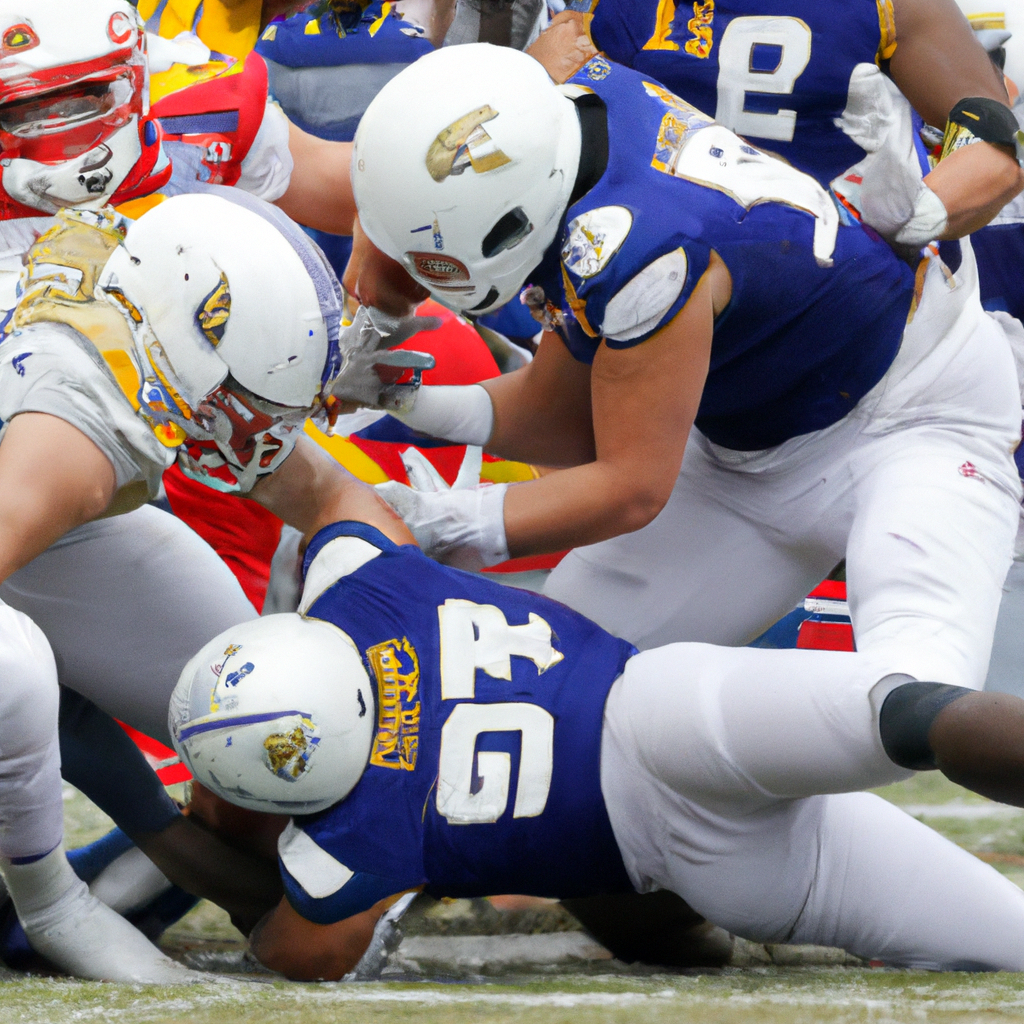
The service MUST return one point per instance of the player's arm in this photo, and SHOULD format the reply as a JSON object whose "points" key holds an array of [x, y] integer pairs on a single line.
{"points": [[310, 490], [375, 279], [644, 401], [542, 411], [319, 192], [52, 479], [938, 61], [286, 942]]}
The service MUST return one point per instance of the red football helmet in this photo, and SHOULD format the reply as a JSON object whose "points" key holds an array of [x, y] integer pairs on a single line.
{"points": [[75, 127]]}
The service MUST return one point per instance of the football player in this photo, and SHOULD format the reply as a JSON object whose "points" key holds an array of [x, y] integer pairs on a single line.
{"points": [[729, 374], [806, 82], [429, 729], [128, 349]]}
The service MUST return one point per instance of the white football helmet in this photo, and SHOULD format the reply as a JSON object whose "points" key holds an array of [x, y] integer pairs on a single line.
{"points": [[236, 319], [276, 714], [74, 106], [220, 283], [462, 168]]}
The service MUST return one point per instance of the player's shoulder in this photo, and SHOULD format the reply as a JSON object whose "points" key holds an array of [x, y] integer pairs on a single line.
{"points": [[639, 214], [319, 886], [340, 550]]}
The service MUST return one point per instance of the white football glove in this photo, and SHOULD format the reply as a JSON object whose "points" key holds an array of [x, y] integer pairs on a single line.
{"points": [[368, 347], [887, 186], [462, 525]]}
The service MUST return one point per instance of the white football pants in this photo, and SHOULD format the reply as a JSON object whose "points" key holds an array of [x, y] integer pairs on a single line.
{"points": [[916, 488], [113, 610], [713, 762]]}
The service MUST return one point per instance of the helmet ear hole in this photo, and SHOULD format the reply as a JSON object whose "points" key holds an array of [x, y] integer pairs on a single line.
{"points": [[509, 231], [489, 299]]}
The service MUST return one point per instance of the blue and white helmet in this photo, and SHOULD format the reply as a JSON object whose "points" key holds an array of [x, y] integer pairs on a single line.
{"points": [[276, 715]]}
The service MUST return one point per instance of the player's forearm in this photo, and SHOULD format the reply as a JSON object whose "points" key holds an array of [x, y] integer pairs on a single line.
{"points": [[52, 479], [938, 59], [311, 491], [302, 951], [320, 191], [974, 184], [580, 506], [542, 412]]}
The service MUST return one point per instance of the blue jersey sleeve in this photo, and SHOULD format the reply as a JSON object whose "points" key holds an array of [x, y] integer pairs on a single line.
{"points": [[322, 889]]}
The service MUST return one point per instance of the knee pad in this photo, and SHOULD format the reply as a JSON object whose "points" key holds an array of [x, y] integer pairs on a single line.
{"points": [[906, 717]]}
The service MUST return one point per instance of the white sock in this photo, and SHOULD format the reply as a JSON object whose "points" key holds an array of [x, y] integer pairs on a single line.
{"points": [[70, 927], [129, 882]]}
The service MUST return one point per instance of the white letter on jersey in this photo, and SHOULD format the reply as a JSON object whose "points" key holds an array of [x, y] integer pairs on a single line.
{"points": [[737, 77], [456, 800], [478, 636]]}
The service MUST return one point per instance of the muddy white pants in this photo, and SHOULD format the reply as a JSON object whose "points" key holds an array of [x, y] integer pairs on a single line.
{"points": [[729, 775], [113, 610]]}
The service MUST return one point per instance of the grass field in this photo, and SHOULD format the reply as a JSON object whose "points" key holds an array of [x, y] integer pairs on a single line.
{"points": [[580, 985]]}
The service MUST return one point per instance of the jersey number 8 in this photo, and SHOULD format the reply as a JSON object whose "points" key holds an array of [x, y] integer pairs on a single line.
{"points": [[760, 55]]}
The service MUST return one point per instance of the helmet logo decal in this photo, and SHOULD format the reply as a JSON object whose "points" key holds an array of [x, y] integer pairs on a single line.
{"points": [[594, 238], [232, 679], [443, 272], [212, 315], [18, 38], [288, 753], [119, 28], [464, 143]]}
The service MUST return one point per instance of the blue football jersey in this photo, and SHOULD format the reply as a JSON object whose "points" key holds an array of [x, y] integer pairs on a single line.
{"points": [[326, 67], [484, 775], [819, 302], [774, 71]]}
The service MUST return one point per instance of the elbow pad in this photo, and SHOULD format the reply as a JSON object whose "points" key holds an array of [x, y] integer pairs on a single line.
{"points": [[978, 119]]}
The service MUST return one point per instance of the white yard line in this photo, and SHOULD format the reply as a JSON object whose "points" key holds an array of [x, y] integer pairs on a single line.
{"points": [[958, 809]]}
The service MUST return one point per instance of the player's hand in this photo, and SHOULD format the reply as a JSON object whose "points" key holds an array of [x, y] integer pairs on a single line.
{"points": [[371, 365], [377, 280], [462, 525], [886, 187], [564, 46]]}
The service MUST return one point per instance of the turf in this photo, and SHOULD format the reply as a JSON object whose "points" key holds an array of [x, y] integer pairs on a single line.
{"points": [[770, 994], [764, 996]]}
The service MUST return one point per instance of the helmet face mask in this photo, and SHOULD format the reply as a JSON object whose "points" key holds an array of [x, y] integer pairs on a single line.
{"points": [[473, 196], [87, 180]]}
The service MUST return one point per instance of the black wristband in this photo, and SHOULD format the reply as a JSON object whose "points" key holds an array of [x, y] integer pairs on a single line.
{"points": [[906, 717], [978, 119]]}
